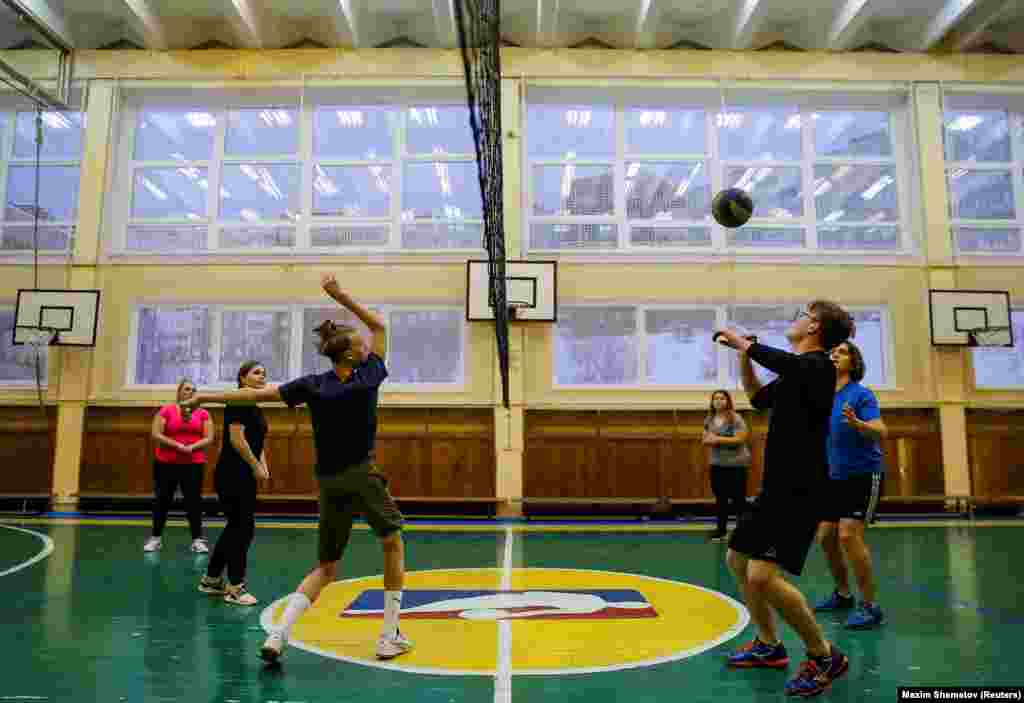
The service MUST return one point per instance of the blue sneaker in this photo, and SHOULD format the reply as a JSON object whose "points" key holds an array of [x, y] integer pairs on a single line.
{"points": [[835, 602], [757, 654], [816, 675], [865, 617]]}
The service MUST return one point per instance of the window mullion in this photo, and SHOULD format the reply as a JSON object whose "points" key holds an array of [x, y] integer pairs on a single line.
{"points": [[303, 238], [7, 129], [216, 317], [807, 171], [295, 341], [398, 160], [716, 175], [1017, 155], [619, 179], [216, 178], [641, 342]]}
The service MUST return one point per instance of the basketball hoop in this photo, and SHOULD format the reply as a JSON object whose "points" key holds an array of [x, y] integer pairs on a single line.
{"points": [[37, 339], [987, 336]]}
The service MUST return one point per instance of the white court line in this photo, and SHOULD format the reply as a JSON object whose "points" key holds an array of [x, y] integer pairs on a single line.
{"points": [[503, 672], [46, 551]]}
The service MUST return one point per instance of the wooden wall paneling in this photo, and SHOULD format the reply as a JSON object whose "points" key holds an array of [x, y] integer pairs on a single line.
{"points": [[560, 452], [912, 454], [995, 447], [461, 458], [117, 451], [27, 442]]}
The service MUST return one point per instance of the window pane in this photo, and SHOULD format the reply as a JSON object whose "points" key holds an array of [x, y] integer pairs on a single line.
{"points": [[256, 237], [260, 192], [445, 190], [769, 324], [262, 336], [354, 132], [994, 239], [567, 132], [181, 135], [349, 235], [17, 363], [665, 131], [1000, 367], [977, 135], [437, 331], [443, 235], [846, 133], [870, 339], [668, 191], [856, 193], [174, 343], [439, 129], [262, 132], [62, 136], [780, 237], [58, 193], [596, 346], [51, 238], [880, 238], [312, 360], [770, 134], [983, 195], [352, 191], [166, 238], [777, 191], [679, 347], [573, 190], [670, 236], [573, 236], [170, 192]]}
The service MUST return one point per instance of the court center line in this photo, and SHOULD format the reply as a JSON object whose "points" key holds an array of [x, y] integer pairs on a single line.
{"points": [[503, 672], [45, 552]]}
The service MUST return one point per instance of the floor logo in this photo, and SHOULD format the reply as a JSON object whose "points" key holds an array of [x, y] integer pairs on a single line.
{"points": [[550, 621]]}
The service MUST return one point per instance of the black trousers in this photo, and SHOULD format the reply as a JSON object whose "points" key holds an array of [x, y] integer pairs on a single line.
{"points": [[238, 501], [166, 479], [729, 484]]}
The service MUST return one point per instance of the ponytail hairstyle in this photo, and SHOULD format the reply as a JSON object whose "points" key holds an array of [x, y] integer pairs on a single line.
{"points": [[335, 340]]}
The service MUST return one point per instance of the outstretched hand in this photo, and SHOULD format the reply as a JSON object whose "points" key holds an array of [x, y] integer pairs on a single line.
{"points": [[850, 416], [329, 283], [192, 402], [731, 338]]}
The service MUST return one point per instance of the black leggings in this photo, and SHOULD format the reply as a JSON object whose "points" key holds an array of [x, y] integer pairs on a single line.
{"points": [[232, 548], [729, 484], [166, 479]]}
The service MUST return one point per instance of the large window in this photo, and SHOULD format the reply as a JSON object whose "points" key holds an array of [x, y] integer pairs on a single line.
{"points": [[57, 180], [670, 345], [17, 363], [1000, 367], [209, 342], [637, 174], [984, 141], [326, 171]]}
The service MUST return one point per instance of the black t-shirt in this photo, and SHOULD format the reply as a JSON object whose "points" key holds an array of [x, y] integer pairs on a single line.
{"points": [[796, 451], [344, 413], [231, 465]]}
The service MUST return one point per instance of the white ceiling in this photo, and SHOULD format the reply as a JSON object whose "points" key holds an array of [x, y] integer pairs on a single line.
{"points": [[898, 25]]}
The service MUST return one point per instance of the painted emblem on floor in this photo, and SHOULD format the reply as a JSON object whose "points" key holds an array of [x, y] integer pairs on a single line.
{"points": [[549, 621]]}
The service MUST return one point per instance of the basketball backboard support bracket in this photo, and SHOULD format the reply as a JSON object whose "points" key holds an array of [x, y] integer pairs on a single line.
{"points": [[71, 317], [531, 291], [970, 318]]}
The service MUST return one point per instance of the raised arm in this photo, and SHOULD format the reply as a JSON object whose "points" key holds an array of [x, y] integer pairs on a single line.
{"points": [[374, 322]]}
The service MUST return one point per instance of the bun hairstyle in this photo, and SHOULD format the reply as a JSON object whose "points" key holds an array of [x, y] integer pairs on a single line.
{"points": [[335, 340]]}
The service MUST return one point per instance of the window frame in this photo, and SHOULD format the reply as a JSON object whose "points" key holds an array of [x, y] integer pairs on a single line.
{"points": [[23, 384], [1018, 347]]}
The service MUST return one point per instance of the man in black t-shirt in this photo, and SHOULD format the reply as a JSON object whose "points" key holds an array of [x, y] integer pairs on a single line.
{"points": [[779, 529], [343, 406]]}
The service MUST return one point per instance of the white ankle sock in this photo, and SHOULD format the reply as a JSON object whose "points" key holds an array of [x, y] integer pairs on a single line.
{"points": [[298, 603], [392, 604]]}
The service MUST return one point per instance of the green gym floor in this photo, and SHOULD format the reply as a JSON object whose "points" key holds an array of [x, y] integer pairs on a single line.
{"points": [[94, 619]]}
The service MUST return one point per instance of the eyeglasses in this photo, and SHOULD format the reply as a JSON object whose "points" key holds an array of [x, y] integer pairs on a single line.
{"points": [[803, 313]]}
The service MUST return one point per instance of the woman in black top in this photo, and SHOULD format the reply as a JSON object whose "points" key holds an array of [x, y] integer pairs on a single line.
{"points": [[242, 461]]}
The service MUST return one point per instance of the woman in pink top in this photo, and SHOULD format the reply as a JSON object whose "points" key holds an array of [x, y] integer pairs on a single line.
{"points": [[181, 435]]}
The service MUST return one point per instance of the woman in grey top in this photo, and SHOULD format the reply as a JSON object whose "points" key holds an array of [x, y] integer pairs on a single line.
{"points": [[726, 435]]}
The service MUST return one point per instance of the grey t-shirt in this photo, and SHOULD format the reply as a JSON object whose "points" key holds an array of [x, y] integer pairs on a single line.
{"points": [[728, 454]]}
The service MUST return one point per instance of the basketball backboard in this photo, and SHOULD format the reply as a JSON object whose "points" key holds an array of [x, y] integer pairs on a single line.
{"points": [[72, 315], [531, 289], [970, 318]]}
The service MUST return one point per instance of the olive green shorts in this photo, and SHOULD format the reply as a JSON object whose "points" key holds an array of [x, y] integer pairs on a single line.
{"points": [[357, 489]]}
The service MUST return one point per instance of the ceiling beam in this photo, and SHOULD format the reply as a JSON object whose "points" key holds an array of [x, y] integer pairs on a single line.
{"points": [[349, 13], [51, 23], [971, 29], [444, 23], [547, 22], [253, 28], [942, 23], [645, 33], [752, 14], [852, 17], [152, 29]]}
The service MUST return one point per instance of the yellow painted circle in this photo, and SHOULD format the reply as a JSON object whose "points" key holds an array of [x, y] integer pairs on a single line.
{"points": [[541, 638]]}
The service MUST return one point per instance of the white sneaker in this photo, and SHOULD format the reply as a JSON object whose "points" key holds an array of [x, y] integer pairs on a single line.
{"points": [[273, 646], [200, 546], [212, 586], [391, 646], [153, 544], [237, 595]]}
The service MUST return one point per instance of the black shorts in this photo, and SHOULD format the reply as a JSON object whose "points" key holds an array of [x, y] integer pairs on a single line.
{"points": [[855, 498], [777, 531]]}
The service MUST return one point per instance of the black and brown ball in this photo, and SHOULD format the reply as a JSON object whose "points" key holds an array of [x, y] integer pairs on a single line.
{"points": [[732, 207]]}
